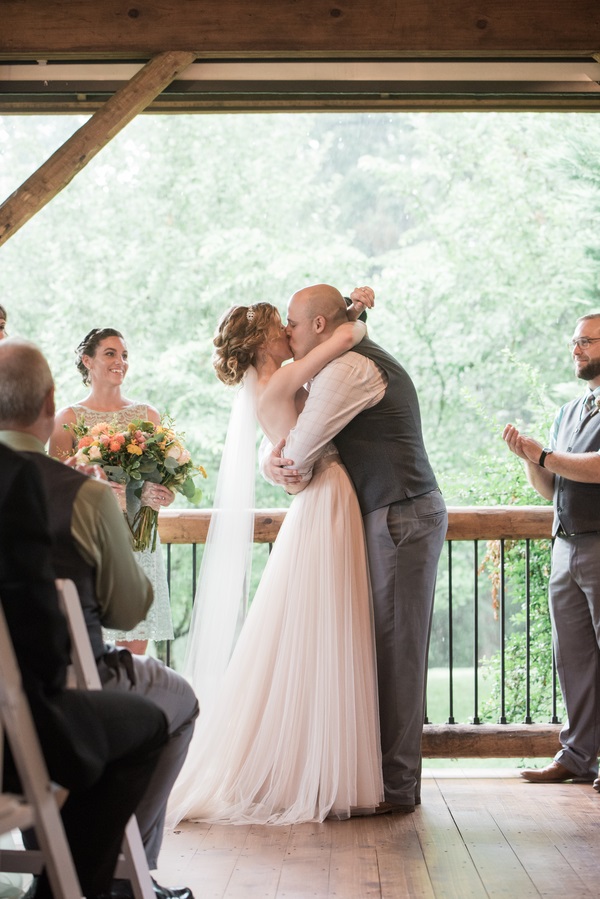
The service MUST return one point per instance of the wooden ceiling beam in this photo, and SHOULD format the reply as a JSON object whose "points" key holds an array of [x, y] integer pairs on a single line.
{"points": [[75, 154], [138, 29]]}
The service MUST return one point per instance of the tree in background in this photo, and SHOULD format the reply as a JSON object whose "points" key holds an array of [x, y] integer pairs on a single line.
{"points": [[471, 227]]}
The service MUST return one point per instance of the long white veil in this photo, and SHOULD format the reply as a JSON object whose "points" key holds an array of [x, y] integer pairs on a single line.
{"points": [[223, 582]]}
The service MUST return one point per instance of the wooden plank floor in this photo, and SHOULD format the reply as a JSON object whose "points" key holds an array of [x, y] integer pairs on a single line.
{"points": [[479, 833]]}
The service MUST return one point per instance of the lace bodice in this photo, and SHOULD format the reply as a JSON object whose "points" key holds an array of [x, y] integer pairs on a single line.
{"points": [[120, 417]]}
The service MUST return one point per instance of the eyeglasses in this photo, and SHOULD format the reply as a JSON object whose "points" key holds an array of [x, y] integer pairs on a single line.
{"points": [[582, 342]]}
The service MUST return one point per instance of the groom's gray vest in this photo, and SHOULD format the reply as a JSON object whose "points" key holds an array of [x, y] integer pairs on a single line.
{"points": [[382, 447], [62, 484], [577, 505]]}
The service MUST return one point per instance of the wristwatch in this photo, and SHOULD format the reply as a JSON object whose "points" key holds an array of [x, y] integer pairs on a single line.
{"points": [[545, 452]]}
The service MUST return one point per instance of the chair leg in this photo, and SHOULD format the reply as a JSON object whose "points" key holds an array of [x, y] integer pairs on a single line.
{"points": [[31, 767], [134, 864]]}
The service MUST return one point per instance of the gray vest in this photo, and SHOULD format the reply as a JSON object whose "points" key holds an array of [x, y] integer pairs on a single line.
{"points": [[382, 447], [577, 505], [62, 484]]}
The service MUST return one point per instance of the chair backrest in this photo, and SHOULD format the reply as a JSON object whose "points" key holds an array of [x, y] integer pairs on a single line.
{"points": [[40, 808], [82, 657], [132, 863]]}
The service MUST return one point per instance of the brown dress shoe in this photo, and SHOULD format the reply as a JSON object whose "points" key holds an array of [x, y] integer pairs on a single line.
{"points": [[597, 785], [554, 773], [389, 808]]}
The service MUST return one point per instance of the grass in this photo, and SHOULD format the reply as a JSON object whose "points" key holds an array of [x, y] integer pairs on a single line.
{"points": [[463, 711], [438, 693]]}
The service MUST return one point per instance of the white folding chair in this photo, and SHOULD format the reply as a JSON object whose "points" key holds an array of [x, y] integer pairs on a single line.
{"points": [[38, 806], [132, 863]]}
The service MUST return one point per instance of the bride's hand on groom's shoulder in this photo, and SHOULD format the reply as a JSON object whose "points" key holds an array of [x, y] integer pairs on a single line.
{"points": [[363, 298]]}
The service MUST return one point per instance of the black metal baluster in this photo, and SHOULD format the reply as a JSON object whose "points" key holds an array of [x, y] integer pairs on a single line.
{"points": [[450, 641], [502, 719], [528, 718], [476, 718]]}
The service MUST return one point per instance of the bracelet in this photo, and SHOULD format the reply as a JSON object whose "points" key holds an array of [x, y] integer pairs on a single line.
{"points": [[545, 452]]}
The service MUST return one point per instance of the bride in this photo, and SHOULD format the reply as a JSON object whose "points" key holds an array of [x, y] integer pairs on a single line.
{"points": [[289, 728]]}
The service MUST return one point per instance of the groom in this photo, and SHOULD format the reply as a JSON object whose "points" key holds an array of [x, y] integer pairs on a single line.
{"points": [[367, 403]]}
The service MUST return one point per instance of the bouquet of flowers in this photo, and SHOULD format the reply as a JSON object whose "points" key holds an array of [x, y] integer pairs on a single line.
{"points": [[142, 452]]}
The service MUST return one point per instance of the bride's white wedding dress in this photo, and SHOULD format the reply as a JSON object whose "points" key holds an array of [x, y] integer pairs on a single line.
{"points": [[294, 733]]}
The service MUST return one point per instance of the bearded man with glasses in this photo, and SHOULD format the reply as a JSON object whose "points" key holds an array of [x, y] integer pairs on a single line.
{"points": [[567, 472]]}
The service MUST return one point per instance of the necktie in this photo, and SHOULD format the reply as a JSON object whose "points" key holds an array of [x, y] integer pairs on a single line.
{"points": [[590, 402]]}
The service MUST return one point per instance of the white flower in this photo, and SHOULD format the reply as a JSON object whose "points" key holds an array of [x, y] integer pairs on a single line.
{"points": [[94, 452]]}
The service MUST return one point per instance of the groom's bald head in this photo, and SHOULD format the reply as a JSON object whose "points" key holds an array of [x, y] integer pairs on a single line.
{"points": [[313, 313]]}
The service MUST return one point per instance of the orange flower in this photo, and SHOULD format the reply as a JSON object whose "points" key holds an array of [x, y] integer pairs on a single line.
{"points": [[100, 428]]}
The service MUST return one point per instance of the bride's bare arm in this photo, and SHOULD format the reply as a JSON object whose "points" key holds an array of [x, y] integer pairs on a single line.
{"points": [[290, 378], [62, 441]]}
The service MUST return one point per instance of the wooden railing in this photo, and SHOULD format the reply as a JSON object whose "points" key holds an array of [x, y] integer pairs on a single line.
{"points": [[464, 523], [473, 523]]}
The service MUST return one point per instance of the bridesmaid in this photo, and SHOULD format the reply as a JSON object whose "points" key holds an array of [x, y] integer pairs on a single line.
{"points": [[103, 361]]}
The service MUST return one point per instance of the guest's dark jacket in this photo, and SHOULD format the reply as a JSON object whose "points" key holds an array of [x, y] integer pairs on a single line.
{"points": [[61, 485], [67, 725]]}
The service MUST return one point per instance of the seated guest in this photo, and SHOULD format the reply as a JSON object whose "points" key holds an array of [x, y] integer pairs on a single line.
{"points": [[91, 544], [102, 746]]}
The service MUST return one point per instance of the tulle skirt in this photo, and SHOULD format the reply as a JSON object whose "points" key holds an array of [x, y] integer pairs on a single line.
{"points": [[294, 734]]}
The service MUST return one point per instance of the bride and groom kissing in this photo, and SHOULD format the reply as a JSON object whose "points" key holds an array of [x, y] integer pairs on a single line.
{"points": [[320, 709]]}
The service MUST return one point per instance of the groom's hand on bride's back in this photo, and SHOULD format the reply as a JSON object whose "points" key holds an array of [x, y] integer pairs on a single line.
{"points": [[280, 470]]}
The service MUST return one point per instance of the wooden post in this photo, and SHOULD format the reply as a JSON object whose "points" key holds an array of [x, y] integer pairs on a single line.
{"points": [[69, 159]]}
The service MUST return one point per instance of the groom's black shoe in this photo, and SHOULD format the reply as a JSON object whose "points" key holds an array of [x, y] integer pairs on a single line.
{"points": [[121, 889]]}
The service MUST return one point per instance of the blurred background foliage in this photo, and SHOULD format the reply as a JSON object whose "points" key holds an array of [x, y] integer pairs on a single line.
{"points": [[477, 231]]}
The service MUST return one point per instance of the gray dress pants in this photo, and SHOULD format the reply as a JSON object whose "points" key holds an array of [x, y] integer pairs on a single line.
{"points": [[404, 544], [575, 613], [171, 693]]}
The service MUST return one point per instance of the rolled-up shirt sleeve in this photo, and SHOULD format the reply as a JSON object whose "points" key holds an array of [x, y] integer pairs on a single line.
{"points": [[337, 394], [264, 451], [98, 526]]}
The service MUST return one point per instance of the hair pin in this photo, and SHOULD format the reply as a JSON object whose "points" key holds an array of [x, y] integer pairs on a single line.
{"points": [[250, 313]]}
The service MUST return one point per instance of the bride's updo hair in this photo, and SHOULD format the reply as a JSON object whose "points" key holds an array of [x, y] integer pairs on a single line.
{"points": [[240, 332], [88, 347]]}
